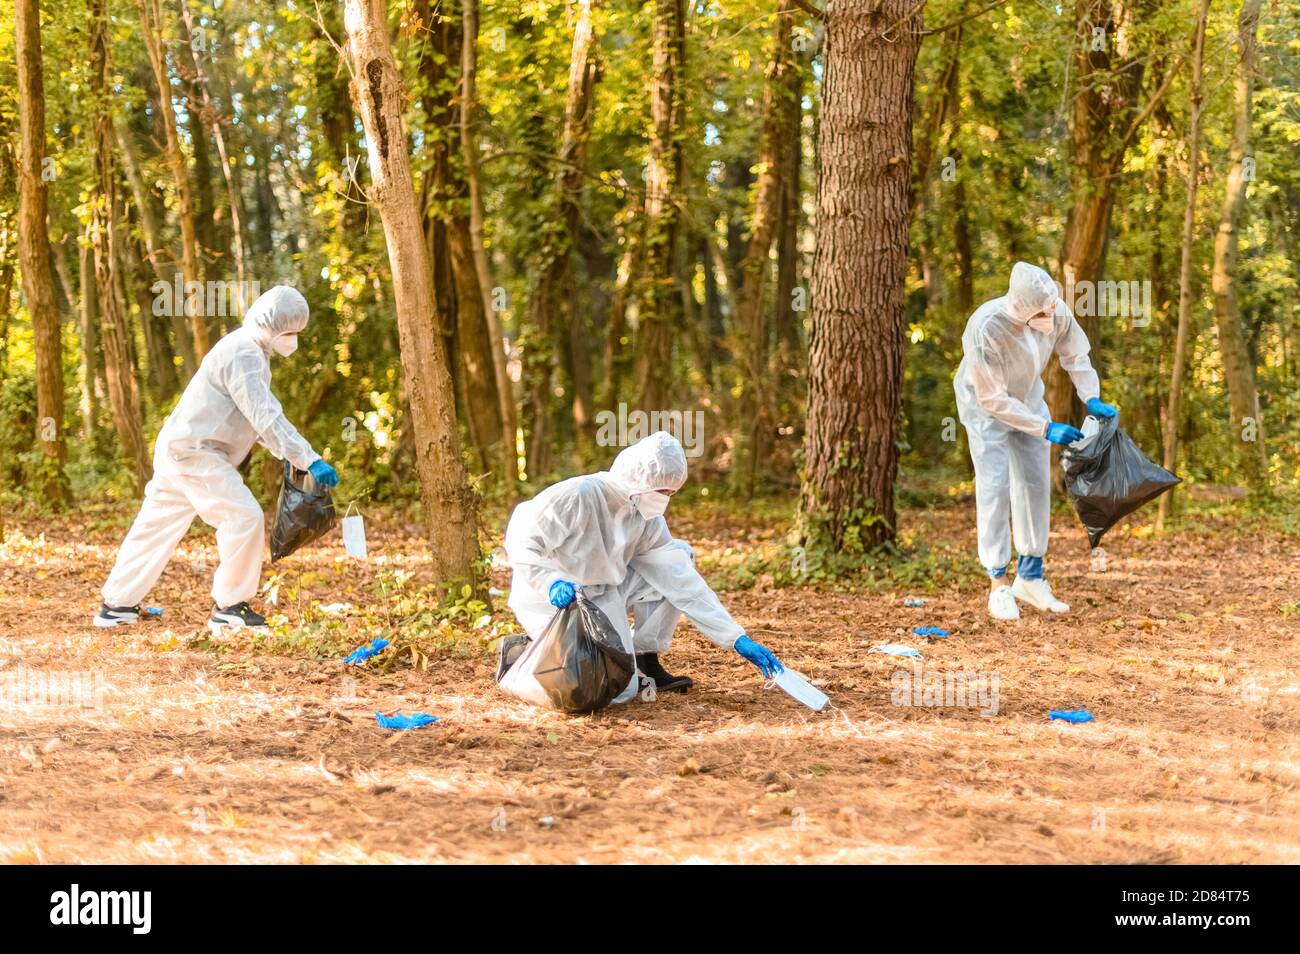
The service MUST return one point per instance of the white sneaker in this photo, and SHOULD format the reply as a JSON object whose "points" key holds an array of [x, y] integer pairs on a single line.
{"points": [[1038, 595], [1002, 604]]}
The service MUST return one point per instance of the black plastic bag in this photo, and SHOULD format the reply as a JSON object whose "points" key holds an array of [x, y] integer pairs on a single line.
{"points": [[1110, 477], [578, 664], [305, 513]]}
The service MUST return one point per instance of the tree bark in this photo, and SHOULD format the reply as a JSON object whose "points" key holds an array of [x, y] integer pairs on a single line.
{"points": [[1174, 413], [751, 325], [151, 31], [855, 368], [119, 369], [549, 336], [450, 507], [473, 180], [1238, 363], [659, 303], [34, 253]]}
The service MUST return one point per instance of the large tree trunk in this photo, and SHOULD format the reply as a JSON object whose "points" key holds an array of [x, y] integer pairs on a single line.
{"points": [[1174, 413], [469, 155], [855, 372], [1238, 364], [549, 336], [34, 253], [751, 326], [119, 369], [450, 506], [151, 31], [660, 304]]}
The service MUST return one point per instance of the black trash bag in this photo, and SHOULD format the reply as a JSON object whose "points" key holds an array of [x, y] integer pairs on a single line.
{"points": [[578, 662], [1110, 478], [305, 513]]}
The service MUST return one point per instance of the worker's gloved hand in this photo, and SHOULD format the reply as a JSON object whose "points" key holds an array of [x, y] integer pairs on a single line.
{"points": [[325, 475], [1100, 408], [1063, 433], [561, 593], [760, 656]]}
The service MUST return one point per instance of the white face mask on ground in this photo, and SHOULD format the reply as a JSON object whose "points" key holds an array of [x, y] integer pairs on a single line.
{"points": [[650, 504], [284, 345]]}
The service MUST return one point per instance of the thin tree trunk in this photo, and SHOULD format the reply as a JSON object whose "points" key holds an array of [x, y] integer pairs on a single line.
{"points": [[450, 506], [544, 301], [855, 372], [212, 118], [659, 304], [93, 389], [151, 31], [34, 253], [119, 370], [469, 155], [1174, 413], [751, 326], [1247, 425]]}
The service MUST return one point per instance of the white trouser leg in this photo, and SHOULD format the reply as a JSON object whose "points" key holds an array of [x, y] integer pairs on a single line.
{"points": [[225, 504], [165, 515], [988, 451], [654, 618], [1031, 493]]}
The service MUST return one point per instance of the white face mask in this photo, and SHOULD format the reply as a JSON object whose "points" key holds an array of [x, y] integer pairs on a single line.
{"points": [[650, 504], [284, 345]]}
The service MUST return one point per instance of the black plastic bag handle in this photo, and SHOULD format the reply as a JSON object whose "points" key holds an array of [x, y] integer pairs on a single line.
{"points": [[289, 473]]}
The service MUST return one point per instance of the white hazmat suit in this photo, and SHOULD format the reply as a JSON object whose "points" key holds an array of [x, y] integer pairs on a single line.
{"points": [[1007, 344], [226, 408], [588, 531]]}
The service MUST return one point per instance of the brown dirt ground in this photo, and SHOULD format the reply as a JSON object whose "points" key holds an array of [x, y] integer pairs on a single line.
{"points": [[1187, 659]]}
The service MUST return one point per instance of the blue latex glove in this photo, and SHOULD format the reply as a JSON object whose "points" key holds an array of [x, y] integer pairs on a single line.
{"points": [[1100, 408], [1063, 433], [760, 656], [561, 593], [325, 475]]}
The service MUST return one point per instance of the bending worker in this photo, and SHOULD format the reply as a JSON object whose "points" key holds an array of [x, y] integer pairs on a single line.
{"points": [[606, 533], [999, 385], [227, 406]]}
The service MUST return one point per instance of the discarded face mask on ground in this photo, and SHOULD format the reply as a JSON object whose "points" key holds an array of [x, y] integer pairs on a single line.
{"points": [[304, 513], [578, 663], [799, 689], [1108, 476]]}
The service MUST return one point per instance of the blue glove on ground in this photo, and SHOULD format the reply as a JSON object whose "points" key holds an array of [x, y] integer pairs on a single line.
{"points": [[1063, 433], [325, 475], [561, 593], [1100, 408], [760, 656]]}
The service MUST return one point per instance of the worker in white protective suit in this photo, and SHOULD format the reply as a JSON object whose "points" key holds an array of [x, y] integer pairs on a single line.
{"points": [[999, 385], [227, 406], [606, 534]]}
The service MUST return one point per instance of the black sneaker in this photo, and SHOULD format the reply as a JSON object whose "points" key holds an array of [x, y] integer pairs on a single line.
{"points": [[239, 616], [110, 616], [648, 664]]}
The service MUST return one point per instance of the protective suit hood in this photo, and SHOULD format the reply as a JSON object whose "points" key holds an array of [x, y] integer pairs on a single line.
{"points": [[1030, 292], [656, 462], [280, 311]]}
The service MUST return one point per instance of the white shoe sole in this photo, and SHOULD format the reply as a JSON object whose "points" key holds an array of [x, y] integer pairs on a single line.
{"points": [[1021, 598], [105, 623]]}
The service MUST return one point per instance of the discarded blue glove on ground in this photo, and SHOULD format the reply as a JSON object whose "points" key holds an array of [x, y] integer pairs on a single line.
{"points": [[913, 601], [1070, 715], [416, 720], [930, 631], [760, 656], [363, 652], [153, 611], [561, 593]]}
